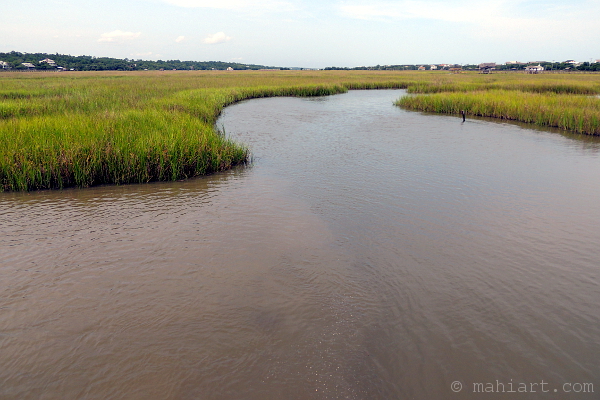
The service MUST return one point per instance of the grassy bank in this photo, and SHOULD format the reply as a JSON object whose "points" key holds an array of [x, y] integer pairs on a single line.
{"points": [[85, 129], [575, 113], [565, 102]]}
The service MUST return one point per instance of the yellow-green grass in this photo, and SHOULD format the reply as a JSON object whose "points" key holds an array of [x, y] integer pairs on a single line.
{"points": [[561, 84], [565, 101], [84, 129], [576, 113], [88, 128]]}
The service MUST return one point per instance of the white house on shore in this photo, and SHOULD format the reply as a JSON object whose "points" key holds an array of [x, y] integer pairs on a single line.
{"points": [[534, 69], [4, 65]]}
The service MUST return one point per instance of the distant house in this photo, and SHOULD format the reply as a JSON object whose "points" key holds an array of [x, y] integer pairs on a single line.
{"points": [[487, 68], [229, 69], [421, 68], [4, 65], [48, 61], [534, 69], [28, 65], [433, 67]]}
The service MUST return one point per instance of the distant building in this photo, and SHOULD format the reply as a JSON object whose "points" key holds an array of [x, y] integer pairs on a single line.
{"points": [[229, 69], [28, 65], [432, 67], [4, 65], [534, 69], [48, 61], [487, 68], [421, 68]]}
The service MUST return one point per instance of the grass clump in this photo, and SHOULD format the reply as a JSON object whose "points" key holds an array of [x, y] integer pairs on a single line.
{"points": [[90, 128], [579, 114], [85, 129], [129, 147], [566, 102]]}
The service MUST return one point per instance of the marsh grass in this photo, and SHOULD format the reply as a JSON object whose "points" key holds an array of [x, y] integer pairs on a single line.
{"points": [[567, 102], [85, 129], [575, 113]]}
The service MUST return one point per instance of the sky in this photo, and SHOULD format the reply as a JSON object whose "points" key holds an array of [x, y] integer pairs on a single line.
{"points": [[307, 33]]}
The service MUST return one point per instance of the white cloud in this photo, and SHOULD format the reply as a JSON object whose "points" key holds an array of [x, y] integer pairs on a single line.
{"points": [[149, 53], [255, 5], [454, 11], [497, 18], [118, 36], [218, 37], [180, 39]]}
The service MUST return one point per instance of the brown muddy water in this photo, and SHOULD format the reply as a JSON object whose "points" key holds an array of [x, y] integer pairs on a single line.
{"points": [[368, 253]]}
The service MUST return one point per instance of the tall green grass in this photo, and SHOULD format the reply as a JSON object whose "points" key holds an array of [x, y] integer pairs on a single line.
{"points": [[560, 83], [125, 147], [575, 113], [85, 129], [82, 129], [565, 101]]}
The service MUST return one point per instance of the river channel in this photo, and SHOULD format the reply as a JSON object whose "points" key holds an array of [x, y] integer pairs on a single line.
{"points": [[368, 252]]}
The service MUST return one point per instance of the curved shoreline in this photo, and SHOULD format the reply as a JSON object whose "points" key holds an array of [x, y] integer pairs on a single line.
{"points": [[87, 130], [176, 139], [574, 114]]}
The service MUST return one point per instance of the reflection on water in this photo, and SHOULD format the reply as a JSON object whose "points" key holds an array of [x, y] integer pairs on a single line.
{"points": [[368, 253]]}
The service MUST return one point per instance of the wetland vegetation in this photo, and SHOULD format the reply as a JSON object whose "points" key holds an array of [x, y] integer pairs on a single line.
{"points": [[568, 102], [86, 128]]}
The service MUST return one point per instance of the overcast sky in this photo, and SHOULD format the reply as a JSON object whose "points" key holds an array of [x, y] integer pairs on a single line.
{"points": [[307, 33]]}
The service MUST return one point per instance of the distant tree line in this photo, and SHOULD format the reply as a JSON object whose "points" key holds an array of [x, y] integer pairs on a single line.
{"points": [[403, 67], [548, 66], [552, 66], [14, 60], [406, 67]]}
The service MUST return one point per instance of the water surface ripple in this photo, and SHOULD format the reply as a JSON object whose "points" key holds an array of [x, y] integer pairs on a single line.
{"points": [[368, 253]]}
